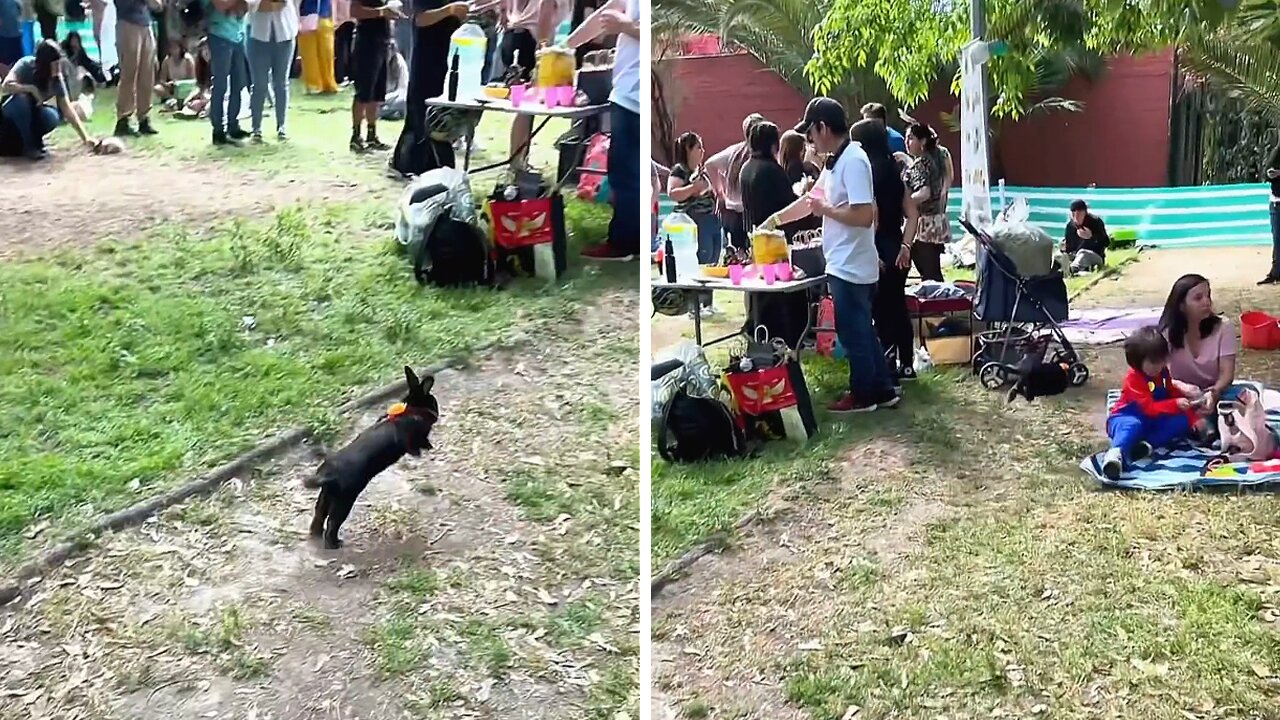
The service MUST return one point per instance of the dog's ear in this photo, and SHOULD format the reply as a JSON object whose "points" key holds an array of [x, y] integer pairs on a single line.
{"points": [[426, 383], [412, 380]]}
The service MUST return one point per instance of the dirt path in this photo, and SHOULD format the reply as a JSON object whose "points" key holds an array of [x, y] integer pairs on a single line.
{"points": [[1233, 272], [82, 199], [492, 578]]}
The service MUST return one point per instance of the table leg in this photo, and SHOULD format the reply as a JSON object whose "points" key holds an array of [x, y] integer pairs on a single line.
{"points": [[697, 318], [523, 146], [466, 153]]}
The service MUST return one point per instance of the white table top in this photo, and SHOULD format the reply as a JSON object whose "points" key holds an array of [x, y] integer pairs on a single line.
{"points": [[755, 285], [529, 107]]}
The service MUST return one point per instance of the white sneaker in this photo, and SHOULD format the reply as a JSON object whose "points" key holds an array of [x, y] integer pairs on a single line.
{"points": [[1112, 464], [710, 311]]}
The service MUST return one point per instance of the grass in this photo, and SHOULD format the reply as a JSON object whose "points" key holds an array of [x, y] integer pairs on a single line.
{"points": [[1028, 594], [133, 364], [319, 127]]}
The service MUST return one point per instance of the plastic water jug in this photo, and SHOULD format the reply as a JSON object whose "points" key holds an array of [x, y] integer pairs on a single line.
{"points": [[468, 44], [683, 233]]}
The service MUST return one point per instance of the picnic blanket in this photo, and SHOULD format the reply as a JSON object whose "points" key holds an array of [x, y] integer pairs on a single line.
{"points": [[1103, 326], [1179, 468]]}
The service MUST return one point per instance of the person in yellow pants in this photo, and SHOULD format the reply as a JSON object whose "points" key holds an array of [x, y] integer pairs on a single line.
{"points": [[315, 44]]}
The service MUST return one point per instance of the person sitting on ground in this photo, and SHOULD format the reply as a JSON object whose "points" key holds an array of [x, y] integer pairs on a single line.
{"points": [[1154, 409], [845, 200], [1085, 240], [196, 103], [178, 66], [393, 108], [31, 83], [73, 48], [876, 111], [792, 156], [1202, 343]]}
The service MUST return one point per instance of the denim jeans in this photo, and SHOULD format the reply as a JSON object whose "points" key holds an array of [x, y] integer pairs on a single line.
{"points": [[1275, 240], [30, 119], [869, 376], [269, 63], [229, 67], [624, 179], [710, 238]]}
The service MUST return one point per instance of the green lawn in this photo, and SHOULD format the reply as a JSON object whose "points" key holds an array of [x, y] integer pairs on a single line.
{"points": [[132, 365]]}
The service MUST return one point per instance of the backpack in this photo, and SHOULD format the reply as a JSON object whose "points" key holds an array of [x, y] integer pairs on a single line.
{"points": [[690, 421], [595, 168], [694, 429], [1242, 426], [437, 225]]}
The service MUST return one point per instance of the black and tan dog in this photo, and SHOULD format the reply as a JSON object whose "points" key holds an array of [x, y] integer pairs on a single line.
{"points": [[406, 428]]}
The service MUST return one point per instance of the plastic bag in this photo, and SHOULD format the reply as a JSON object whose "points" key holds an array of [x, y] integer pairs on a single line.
{"points": [[1030, 248], [426, 198], [694, 376]]}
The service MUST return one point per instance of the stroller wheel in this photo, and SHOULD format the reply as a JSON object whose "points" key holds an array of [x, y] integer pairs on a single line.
{"points": [[992, 376], [1078, 374]]}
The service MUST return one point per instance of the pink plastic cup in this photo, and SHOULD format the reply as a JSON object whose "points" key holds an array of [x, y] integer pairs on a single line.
{"points": [[517, 94], [783, 272], [567, 93], [769, 272], [551, 97], [735, 274]]}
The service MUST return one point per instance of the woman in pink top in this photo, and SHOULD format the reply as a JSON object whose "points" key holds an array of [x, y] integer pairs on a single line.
{"points": [[1202, 344]]}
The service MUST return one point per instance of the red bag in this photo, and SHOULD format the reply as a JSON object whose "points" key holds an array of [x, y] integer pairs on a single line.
{"points": [[522, 223], [762, 391], [595, 166], [826, 344]]}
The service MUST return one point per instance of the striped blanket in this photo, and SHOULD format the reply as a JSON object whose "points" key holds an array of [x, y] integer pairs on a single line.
{"points": [[1181, 467]]}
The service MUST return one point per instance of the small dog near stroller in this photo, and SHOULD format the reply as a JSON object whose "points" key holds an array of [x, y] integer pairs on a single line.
{"points": [[1024, 347]]}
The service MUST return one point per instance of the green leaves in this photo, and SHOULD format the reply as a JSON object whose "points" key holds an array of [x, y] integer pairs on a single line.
{"points": [[911, 44]]}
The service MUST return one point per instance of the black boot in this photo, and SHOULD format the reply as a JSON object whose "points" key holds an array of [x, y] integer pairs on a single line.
{"points": [[124, 129]]}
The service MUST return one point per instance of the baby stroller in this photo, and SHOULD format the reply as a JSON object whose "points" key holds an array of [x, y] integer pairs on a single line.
{"points": [[1022, 314]]}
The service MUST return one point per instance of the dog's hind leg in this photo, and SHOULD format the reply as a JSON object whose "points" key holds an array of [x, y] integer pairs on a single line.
{"points": [[322, 511], [339, 509]]}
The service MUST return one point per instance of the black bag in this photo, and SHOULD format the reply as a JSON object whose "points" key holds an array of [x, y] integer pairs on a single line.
{"points": [[696, 429], [416, 154], [458, 253]]}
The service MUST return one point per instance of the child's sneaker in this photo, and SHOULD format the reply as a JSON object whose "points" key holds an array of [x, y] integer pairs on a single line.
{"points": [[1113, 464], [1141, 451]]}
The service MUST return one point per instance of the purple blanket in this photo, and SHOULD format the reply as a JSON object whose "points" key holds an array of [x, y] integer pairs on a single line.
{"points": [[1103, 326]]}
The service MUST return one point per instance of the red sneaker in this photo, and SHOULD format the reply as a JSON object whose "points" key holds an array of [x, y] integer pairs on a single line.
{"points": [[607, 253], [847, 404]]}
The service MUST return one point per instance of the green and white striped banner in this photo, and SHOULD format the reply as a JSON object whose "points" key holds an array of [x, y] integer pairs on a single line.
{"points": [[1199, 216]]}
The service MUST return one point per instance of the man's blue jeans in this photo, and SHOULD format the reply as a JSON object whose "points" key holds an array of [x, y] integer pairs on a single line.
{"points": [[30, 119], [624, 179], [869, 377], [229, 66]]}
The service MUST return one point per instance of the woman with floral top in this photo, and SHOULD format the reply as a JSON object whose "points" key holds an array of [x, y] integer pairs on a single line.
{"points": [[926, 178]]}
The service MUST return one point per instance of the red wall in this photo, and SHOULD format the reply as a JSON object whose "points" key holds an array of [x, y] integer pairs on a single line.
{"points": [[712, 94], [1121, 139]]}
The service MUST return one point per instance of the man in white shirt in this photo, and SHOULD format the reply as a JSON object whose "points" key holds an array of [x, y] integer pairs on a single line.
{"points": [[844, 199], [621, 18]]}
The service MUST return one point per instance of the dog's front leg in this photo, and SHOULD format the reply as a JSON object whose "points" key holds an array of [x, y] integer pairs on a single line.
{"points": [[322, 511]]}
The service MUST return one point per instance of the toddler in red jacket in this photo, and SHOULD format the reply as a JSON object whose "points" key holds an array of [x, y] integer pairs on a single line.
{"points": [[1154, 410]]}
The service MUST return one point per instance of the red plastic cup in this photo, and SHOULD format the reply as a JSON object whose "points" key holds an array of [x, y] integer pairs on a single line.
{"points": [[735, 274], [769, 272]]}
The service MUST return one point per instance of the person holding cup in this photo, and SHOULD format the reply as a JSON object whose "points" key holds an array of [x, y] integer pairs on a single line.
{"points": [[845, 200]]}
